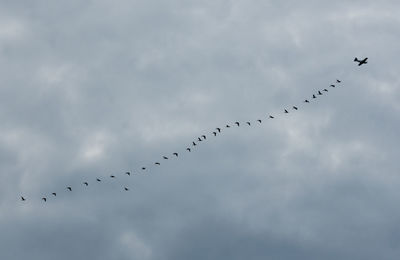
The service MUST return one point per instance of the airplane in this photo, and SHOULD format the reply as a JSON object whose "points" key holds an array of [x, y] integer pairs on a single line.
{"points": [[361, 62]]}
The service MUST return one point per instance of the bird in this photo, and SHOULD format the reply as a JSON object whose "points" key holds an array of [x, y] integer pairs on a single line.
{"points": [[112, 176], [204, 137], [126, 189], [218, 129], [325, 90], [157, 163], [69, 188], [306, 101], [176, 154], [248, 123], [295, 108], [188, 149], [338, 81], [98, 180], [128, 173], [271, 117], [22, 198], [259, 120], [227, 126], [143, 168], [286, 111], [313, 96], [199, 139], [87, 184], [237, 123], [165, 157], [332, 86], [215, 133], [319, 92], [44, 199], [194, 144], [55, 194]]}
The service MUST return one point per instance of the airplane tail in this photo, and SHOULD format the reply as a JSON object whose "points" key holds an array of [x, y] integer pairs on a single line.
{"points": [[355, 59]]}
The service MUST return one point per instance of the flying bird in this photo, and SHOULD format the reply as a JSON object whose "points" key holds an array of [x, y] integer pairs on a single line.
{"points": [[361, 62], [44, 199], [319, 92], [22, 198], [248, 123], [237, 123], [295, 108], [306, 101], [227, 126], [188, 149], [165, 157], [199, 139], [112, 176], [218, 129], [157, 163], [332, 86], [143, 168], [325, 90], [126, 189], [286, 112], [55, 194], [176, 154], [69, 188], [313, 96], [204, 137], [87, 184], [338, 81], [271, 117], [215, 133], [194, 144], [98, 180], [128, 173], [259, 120]]}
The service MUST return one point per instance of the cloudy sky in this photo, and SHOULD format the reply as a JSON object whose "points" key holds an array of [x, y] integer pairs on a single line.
{"points": [[94, 88]]}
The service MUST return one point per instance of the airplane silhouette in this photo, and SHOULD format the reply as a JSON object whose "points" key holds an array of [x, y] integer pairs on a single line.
{"points": [[361, 62]]}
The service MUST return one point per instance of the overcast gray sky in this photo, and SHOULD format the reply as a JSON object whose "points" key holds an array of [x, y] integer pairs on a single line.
{"points": [[94, 88]]}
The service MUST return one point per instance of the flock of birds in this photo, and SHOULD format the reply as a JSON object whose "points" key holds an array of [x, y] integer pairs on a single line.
{"points": [[216, 132]]}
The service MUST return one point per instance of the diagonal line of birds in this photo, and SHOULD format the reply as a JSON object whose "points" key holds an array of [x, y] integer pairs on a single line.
{"points": [[217, 131]]}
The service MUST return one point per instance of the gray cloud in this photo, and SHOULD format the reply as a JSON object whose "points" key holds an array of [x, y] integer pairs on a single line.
{"points": [[90, 89]]}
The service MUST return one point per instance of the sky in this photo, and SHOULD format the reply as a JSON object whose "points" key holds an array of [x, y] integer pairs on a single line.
{"points": [[90, 89]]}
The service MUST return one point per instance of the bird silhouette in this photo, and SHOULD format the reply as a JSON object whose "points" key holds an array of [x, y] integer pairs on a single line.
{"points": [[199, 139], [157, 163], [98, 180], [165, 157], [204, 137], [22, 198], [126, 189], [286, 111], [237, 123], [319, 92], [271, 117], [188, 149], [338, 81], [55, 194], [176, 154], [248, 123], [332, 86], [218, 129], [194, 144], [128, 173], [69, 188], [112, 176], [215, 133], [143, 168], [295, 108], [87, 184], [227, 126], [44, 199], [259, 120], [313, 96], [325, 90], [306, 101]]}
